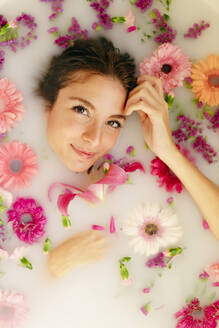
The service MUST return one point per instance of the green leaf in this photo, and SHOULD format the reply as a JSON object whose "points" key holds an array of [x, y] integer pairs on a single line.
{"points": [[66, 221], [162, 29], [166, 17], [175, 251], [153, 15], [26, 263], [1, 223], [124, 272], [126, 259], [47, 245], [169, 99], [118, 19], [132, 2]]}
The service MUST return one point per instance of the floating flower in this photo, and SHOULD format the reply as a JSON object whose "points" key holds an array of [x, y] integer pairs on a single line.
{"points": [[157, 261], [205, 224], [213, 272], [193, 315], [28, 220], [13, 309], [18, 164], [160, 26], [166, 176], [145, 309], [203, 276], [205, 76], [195, 31], [143, 4], [152, 228], [169, 64], [11, 109]]}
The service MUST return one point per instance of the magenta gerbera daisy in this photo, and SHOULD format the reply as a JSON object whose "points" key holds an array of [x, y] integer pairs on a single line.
{"points": [[168, 63], [11, 107], [18, 164], [13, 309], [27, 219], [193, 315]]}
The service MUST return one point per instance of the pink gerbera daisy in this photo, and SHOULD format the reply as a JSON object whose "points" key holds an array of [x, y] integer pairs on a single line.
{"points": [[28, 220], [11, 107], [18, 164], [169, 64], [193, 315], [13, 309]]}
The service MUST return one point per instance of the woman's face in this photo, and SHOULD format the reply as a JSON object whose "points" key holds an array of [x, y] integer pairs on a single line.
{"points": [[85, 121]]}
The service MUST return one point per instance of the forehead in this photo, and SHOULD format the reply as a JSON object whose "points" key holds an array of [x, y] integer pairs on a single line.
{"points": [[101, 90]]}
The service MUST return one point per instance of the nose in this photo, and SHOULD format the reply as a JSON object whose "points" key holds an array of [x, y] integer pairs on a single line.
{"points": [[92, 134]]}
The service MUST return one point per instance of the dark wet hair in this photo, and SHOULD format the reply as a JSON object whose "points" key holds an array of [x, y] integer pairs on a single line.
{"points": [[94, 55]]}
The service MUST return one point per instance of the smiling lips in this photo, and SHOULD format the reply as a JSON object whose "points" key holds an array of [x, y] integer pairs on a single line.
{"points": [[83, 153]]}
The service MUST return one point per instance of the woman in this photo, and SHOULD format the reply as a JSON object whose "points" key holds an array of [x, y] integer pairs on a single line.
{"points": [[89, 90]]}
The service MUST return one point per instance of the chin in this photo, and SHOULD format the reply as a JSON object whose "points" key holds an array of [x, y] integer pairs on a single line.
{"points": [[79, 167]]}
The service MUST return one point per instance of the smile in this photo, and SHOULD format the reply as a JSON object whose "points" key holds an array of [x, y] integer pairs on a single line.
{"points": [[82, 153]]}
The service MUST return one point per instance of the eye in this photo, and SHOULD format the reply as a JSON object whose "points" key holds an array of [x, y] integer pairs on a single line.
{"points": [[80, 110], [114, 124]]}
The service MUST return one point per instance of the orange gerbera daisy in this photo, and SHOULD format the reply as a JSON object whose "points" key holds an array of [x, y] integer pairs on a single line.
{"points": [[205, 84]]}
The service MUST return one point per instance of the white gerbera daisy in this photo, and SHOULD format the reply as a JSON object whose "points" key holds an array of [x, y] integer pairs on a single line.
{"points": [[152, 228]]}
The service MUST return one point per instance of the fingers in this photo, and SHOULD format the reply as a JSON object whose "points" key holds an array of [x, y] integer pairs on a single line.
{"points": [[155, 82]]}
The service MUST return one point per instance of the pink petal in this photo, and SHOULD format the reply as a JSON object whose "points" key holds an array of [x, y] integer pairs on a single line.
{"points": [[205, 224], [97, 227], [63, 202], [112, 225], [216, 284], [132, 167], [146, 290], [131, 28], [114, 176], [56, 184]]}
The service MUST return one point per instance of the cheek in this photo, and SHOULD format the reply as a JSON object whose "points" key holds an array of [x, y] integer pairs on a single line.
{"points": [[109, 141]]}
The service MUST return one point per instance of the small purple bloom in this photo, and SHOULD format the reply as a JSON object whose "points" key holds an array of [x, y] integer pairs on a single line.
{"points": [[143, 4], [157, 261]]}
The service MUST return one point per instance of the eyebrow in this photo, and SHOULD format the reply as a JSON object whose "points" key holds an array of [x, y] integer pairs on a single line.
{"points": [[89, 104]]}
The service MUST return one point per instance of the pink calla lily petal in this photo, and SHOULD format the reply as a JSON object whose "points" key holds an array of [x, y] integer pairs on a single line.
{"points": [[63, 202], [95, 192]]}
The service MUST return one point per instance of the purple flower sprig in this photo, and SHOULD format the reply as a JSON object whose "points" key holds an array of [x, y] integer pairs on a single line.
{"points": [[213, 119], [56, 6], [2, 58], [143, 5], [197, 29], [104, 20], [74, 32], [208, 153], [189, 129], [163, 32]]}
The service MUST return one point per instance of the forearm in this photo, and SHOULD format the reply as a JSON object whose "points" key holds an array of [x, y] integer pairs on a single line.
{"points": [[204, 192]]}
